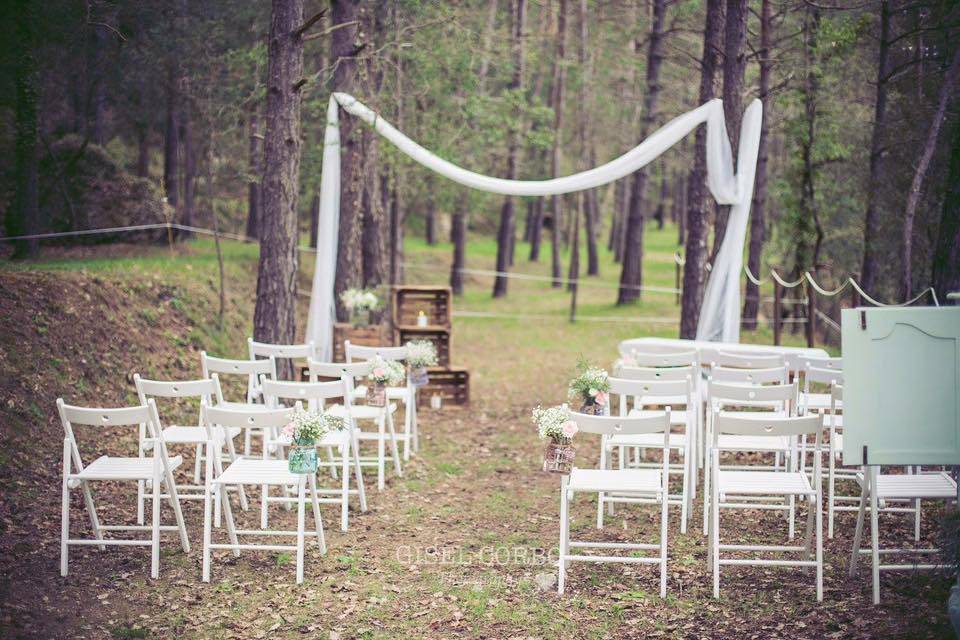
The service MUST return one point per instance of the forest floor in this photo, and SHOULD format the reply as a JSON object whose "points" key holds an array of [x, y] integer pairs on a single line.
{"points": [[460, 546]]}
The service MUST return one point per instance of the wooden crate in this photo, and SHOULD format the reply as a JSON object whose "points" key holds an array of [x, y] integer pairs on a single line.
{"points": [[435, 302], [452, 385], [439, 336], [371, 336]]}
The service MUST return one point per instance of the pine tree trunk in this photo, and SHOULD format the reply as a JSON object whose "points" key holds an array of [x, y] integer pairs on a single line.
{"points": [[459, 233], [314, 220], [143, 151], [275, 314], [171, 144], [23, 217], [913, 198], [189, 168], [946, 258], [631, 274], [344, 42], [430, 217], [734, 64], [558, 75], [878, 152], [751, 302], [536, 230], [696, 243], [507, 226], [255, 170], [574, 271]]}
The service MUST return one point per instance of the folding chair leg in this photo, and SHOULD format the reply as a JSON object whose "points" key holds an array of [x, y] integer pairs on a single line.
{"points": [[317, 516], [600, 494], [792, 515], [875, 536], [344, 486], [355, 451], [177, 511], [393, 446], [819, 534], [831, 490], [715, 537], [155, 523], [663, 543], [141, 502], [407, 429], [858, 532], [264, 501], [92, 513], [65, 511], [916, 520], [332, 460], [684, 494], [808, 535], [228, 514], [415, 421], [381, 453], [301, 506], [564, 536], [197, 462], [207, 506], [232, 454]]}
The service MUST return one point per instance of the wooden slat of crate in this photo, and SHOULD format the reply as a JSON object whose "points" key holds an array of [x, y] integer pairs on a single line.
{"points": [[372, 336], [435, 302], [452, 385], [439, 336]]}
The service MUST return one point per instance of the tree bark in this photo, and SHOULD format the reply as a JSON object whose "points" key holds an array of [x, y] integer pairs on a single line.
{"points": [[314, 220], [23, 217], [946, 258], [696, 243], [587, 149], [631, 274], [878, 152], [805, 259], [430, 216], [345, 41], [275, 314], [751, 302], [507, 228], [913, 198], [255, 170], [734, 64], [189, 165], [558, 75], [143, 150], [171, 143], [459, 233]]}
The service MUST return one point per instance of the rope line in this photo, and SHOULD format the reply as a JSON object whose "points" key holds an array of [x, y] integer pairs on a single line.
{"points": [[678, 259]]}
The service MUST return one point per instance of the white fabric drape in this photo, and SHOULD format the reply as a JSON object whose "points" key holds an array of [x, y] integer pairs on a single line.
{"points": [[719, 316]]}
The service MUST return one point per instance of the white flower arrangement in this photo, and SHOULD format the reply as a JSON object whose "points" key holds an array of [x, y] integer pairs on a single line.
{"points": [[309, 426], [387, 372], [421, 353], [555, 423], [591, 386], [360, 300]]}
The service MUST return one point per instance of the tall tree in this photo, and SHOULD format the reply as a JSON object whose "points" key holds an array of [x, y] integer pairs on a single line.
{"points": [[923, 164], [171, 142], [696, 245], [345, 43], [274, 318], [23, 217], [587, 148], [507, 225], [254, 171], [631, 274], [878, 153], [751, 303], [734, 64], [946, 258], [558, 75]]}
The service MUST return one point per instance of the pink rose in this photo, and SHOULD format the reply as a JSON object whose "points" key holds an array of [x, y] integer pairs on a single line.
{"points": [[289, 430], [569, 429], [379, 372], [600, 398]]}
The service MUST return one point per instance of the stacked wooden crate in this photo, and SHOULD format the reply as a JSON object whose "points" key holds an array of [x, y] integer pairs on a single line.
{"points": [[435, 304]]}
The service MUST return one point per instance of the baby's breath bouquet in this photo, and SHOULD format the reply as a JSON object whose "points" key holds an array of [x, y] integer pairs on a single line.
{"points": [[383, 373], [303, 431], [556, 425], [360, 302], [420, 355], [591, 387]]}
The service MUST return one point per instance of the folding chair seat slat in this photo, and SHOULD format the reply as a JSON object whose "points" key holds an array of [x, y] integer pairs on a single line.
{"points": [[112, 468]]}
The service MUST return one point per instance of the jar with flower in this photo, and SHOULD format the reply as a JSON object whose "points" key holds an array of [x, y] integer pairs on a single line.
{"points": [[556, 425]]}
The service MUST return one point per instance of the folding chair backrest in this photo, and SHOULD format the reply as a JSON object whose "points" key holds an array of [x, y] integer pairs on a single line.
{"points": [[70, 416], [626, 347], [746, 361], [337, 369], [293, 351], [679, 359], [822, 363], [655, 374], [752, 395], [360, 352], [313, 393], [646, 392], [253, 369], [730, 375], [622, 425], [205, 391], [821, 376], [773, 426], [247, 419]]}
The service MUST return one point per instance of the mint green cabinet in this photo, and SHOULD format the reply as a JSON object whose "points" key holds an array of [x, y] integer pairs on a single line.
{"points": [[901, 397]]}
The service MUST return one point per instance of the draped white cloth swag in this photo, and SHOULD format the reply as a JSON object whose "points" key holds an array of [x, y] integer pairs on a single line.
{"points": [[720, 313]]}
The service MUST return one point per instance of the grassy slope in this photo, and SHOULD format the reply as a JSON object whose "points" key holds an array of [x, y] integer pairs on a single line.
{"points": [[79, 324]]}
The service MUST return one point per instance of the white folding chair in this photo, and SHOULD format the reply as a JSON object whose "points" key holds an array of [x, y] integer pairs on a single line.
{"points": [[878, 488], [747, 360], [813, 400], [834, 424], [406, 394], [729, 487], [626, 347], [754, 402], [253, 370], [157, 470], [635, 397], [671, 359], [317, 395], [205, 392], [301, 351], [359, 414], [254, 471], [645, 483], [731, 375]]}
